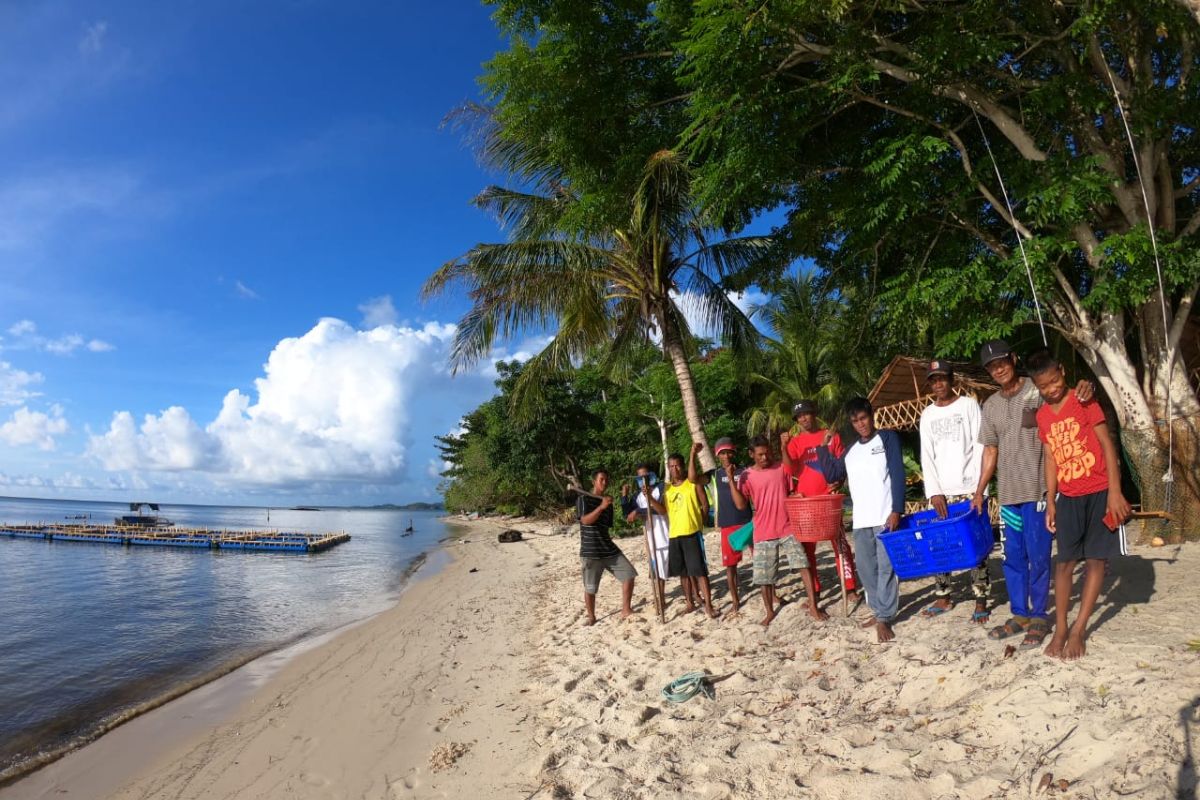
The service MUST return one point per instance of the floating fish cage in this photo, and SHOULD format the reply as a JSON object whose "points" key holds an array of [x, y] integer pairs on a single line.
{"points": [[198, 538]]}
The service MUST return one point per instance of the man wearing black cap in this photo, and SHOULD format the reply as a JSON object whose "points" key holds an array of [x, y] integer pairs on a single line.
{"points": [[1013, 451], [726, 513], [807, 436], [951, 457]]}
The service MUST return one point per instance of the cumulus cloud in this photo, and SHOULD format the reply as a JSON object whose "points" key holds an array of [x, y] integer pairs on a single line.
{"points": [[378, 311], [26, 428], [24, 327], [333, 404], [16, 386]]}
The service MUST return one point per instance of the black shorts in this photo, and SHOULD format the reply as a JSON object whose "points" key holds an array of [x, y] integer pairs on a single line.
{"points": [[686, 557], [1081, 530]]}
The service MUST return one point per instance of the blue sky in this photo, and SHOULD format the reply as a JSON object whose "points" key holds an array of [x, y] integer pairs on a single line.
{"points": [[199, 199], [214, 221]]}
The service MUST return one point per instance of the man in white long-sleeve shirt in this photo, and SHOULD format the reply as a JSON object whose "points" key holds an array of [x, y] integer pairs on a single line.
{"points": [[950, 462]]}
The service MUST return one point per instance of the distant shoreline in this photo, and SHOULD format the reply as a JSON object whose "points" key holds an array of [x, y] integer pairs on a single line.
{"points": [[418, 506]]}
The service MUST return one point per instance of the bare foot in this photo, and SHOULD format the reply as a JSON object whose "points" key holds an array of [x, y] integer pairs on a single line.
{"points": [[590, 620], [870, 622], [817, 613], [689, 607], [1055, 648], [1075, 648], [944, 603], [884, 632], [711, 614], [767, 619], [626, 613]]}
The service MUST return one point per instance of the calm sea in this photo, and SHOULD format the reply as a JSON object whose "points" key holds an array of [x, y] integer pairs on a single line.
{"points": [[92, 633]]}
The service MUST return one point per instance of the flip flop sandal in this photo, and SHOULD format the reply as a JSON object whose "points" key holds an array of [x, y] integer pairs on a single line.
{"points": [[933, 611], [1034, 635], [980, 617], [1010, 628]]}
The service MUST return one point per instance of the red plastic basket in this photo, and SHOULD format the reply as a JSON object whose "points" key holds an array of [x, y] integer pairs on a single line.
{"points": [[817, 518]]}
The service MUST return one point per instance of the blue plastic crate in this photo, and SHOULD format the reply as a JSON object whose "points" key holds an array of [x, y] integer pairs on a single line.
{"points": [[926, 545]]}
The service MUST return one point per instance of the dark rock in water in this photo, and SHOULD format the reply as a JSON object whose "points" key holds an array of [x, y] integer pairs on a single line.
{"points": [[509, 536]]}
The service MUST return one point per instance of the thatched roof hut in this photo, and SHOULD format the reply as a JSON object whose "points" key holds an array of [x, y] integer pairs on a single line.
{"points": [[900, 394]]}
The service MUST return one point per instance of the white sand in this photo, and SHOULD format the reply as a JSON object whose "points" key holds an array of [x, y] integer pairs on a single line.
{"points": [[485, 684]]}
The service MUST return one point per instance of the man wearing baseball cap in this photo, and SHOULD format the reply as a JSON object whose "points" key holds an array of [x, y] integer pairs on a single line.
{"points": [[727, 515], [807, 436], [1012, 451], [951, 456]]}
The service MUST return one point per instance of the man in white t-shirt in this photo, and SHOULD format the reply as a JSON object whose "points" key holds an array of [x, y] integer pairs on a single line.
{"points": [[950, 463], [873, 465]]}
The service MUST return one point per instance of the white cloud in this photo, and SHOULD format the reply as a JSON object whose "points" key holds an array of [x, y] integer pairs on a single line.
{"points": [[93, 38], [689, 304], [34, 428], [245, 291], [434, 468], [63, 345], [333, 404], [26, 336], [378, 311], [16, 385]]}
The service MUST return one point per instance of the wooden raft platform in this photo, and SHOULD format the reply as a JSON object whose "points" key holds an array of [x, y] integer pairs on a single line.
{"points": [[202, 538]]}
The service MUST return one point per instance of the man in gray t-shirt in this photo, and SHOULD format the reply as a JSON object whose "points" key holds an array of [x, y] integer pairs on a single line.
{"points": [[1011, 448]]}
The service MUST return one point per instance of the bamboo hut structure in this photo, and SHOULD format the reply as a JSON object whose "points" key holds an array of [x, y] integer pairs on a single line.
{"points": [[900, 394]]}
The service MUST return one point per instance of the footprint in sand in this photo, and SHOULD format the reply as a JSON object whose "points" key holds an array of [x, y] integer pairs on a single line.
{"points": [[570, 685], [314, 779]]}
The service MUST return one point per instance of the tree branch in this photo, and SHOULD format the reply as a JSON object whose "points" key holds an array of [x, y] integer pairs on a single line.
{"points": [[1186, 189], [1182, 312], [1000, 207], [1192, 226], [964, 93]]}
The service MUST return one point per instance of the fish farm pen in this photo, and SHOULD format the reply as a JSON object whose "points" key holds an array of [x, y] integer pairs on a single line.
{"points": [[206, 538]]}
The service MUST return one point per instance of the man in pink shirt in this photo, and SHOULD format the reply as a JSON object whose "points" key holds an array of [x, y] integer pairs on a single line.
{"points": [[766, 484]]}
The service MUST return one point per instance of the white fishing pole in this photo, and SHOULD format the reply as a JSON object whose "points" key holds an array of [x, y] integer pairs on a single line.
{"points": [[1012, 218], [1169, 475]]}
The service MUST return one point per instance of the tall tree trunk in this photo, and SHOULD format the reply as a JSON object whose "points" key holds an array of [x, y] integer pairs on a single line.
{"points": [[687, 392], [662, 434], [1142, 417]]}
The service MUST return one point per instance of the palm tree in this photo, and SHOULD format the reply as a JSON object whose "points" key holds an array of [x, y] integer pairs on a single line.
{"points": [[605, 287], [811, 356]]}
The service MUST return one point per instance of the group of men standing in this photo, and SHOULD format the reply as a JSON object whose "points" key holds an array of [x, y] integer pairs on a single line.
{"points": [[1020, 436]]}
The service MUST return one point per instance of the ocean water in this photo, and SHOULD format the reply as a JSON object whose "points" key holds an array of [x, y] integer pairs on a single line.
{"points": [[91, 634]]}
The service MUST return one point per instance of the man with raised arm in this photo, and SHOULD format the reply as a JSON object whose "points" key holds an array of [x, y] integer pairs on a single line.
{"points": [[686, 506], [810, 482]]}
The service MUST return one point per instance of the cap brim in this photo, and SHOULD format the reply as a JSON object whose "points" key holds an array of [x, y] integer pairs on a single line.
{"points": [[726, 449]]}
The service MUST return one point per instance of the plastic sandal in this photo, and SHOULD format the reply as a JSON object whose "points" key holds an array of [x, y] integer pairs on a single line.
{"points": [[1034, 634], [1010, 628]]}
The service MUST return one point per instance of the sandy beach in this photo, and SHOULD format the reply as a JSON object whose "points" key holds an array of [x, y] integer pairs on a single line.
{"points": [[482, 682]]}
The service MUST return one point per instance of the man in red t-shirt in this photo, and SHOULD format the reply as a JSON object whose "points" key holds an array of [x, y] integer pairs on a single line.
{"points": [[1084, 504], [807, 436]]}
